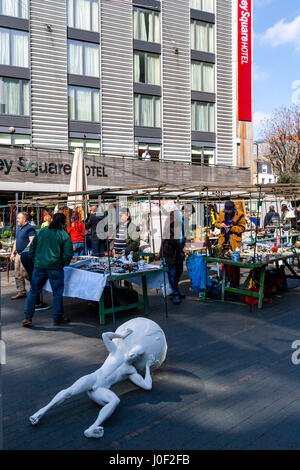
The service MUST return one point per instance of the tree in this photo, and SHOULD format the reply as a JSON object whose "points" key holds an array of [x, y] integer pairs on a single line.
{"points": [[282, 135]]}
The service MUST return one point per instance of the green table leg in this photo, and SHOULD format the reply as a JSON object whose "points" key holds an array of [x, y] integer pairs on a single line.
{"points": [[145, 295], [101, 310], [261, 286], [223, 282]]}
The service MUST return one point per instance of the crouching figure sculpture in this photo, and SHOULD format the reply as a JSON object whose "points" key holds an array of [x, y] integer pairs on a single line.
{"points": [[137, 345]]}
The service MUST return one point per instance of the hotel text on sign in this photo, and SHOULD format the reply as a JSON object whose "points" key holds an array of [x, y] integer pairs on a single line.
{"points": [[244, 60]]}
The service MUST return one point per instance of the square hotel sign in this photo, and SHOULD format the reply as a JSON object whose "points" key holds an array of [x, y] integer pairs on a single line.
{"points": [[244, 60]]}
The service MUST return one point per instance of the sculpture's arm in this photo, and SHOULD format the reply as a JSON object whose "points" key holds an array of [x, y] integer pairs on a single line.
{"points": [[109, 336], [145, 383]]}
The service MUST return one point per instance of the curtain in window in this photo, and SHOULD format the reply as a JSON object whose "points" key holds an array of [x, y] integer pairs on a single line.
{"points": [[201, 37], [96, 106], [211, 118], [75, 58], [11, 96], [208, 5], [193, 117], [25, 98], [193, 35], [21, 139], [202, 117], [4, 47], [196, 4], [10, 7], [156, 28], [20, 49], [196, 76], [153, 69], [211, 38], [91, 61], [95, 16], [157, 113], [208, 78], [135, 24], [71, 102], [146, 22], [82, 14], [147, 111], [136, 67], [71, 13], [24, 8], [143, 28], [83, 105], [136, 110]]}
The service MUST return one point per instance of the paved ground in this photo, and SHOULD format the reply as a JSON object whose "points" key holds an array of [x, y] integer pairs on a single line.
{"points": [[228, 382]]}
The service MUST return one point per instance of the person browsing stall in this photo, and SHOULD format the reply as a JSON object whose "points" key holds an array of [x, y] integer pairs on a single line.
{"points": [[127, 237], [232, 223], [50, 251]]}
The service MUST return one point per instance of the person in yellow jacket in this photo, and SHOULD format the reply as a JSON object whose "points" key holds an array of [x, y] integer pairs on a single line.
{"points": [[232, 223]]}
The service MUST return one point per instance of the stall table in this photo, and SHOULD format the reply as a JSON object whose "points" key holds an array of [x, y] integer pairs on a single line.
{"points": [[251, 265], [90, 285], [142, 275]]}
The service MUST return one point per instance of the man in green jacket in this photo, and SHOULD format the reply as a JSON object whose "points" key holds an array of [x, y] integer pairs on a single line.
{"points": [[50, 251]]}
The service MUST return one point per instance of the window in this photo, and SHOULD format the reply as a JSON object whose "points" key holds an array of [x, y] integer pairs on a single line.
{"points": [[83, 58], [203, 155], [264, 169], [146, 111], [88, 145], [146, 25], [204, 5], [17, 8], [13, 47], [83, 14], [15, 139], [84, 104], [154, 150], [203, 77], [203, 117], [202, 36], [14, 96], [146, 68]]}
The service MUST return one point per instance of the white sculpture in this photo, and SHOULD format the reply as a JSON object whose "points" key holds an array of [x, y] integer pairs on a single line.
{"points": [[135, 346]]}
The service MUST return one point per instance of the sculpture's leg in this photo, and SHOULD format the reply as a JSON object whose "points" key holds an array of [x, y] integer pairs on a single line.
{"points": [[81, 385], [109, 401]]}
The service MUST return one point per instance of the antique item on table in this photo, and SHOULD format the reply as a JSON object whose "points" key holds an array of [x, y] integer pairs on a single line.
{"points": [[136, 346]]}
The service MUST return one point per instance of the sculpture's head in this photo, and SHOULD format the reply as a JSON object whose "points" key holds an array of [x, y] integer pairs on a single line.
{"points": [[135, 353]]}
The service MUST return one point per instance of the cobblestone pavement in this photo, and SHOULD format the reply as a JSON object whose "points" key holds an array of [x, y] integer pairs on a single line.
{"points": [[228, 381]]}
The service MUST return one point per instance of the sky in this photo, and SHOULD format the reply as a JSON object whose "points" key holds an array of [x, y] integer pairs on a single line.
{"points": [[276, 57]]}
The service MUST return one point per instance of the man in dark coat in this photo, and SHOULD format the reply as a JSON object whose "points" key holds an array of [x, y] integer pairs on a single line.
{"points": [[271, 217]]}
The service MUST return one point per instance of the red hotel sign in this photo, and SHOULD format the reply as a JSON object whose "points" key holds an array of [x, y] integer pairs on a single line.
{"points": [[244, 60]]}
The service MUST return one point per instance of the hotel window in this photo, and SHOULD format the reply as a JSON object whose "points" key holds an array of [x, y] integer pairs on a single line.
{"points": [[84, 104], [203, 117], [83, 14], [203, 77], [15, 139], [153, 149], [204, 5], [146, 111], [88, 145], [17, 8], [202, 36], [146, 68], [203, 155], [146, 25], [13, 47], [83, 58], [14, 96]]}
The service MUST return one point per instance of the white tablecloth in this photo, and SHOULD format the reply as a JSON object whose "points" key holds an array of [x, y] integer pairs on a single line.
{"points": [[89, 286]]}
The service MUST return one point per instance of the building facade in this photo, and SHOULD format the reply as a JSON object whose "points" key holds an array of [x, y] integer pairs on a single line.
{"points": [[118, 77]]}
